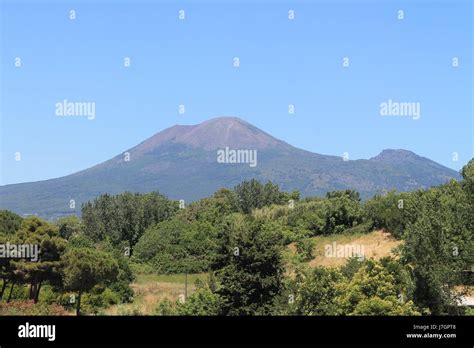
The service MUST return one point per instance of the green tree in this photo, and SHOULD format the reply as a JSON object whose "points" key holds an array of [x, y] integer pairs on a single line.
{"points": [[315, 292], [467, 173], [125, 217], [252, 194], [40, 233], [69, 226], [439, 244], [373, 290], [394, 211], [383, 307], [6, 268], [121, 285], [85, 268], [351, 194], [177, 246], [9, 222], [342, 210], [248, 266], [434, 256], [468, 188], [212, 209]]}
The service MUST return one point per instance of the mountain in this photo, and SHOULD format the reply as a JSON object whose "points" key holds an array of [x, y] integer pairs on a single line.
{"points": [[191, 162]]}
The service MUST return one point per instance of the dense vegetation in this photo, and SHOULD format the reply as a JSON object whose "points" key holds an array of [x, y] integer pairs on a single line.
{"points": [[241, 239]]}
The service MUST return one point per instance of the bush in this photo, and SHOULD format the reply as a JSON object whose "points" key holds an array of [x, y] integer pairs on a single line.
{"points": [[28, 307], [304, 247], [201, 302], [165, 307], [99, 298], [141, 268]]}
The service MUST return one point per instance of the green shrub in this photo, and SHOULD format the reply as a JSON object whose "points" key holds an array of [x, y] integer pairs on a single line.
{"points": [[202, 302], [165, 307]]}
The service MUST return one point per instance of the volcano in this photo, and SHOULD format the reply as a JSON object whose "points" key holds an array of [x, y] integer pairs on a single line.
{"points": [[182, 163]]}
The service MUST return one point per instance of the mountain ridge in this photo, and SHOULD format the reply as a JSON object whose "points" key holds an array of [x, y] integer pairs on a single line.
{"points": [[180, 161]]}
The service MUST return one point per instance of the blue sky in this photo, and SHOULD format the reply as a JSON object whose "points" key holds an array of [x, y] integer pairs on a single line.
{"points": [[190, 62]]}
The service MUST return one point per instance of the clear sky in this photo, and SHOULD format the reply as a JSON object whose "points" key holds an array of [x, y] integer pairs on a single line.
{"points": [[190, 62]]}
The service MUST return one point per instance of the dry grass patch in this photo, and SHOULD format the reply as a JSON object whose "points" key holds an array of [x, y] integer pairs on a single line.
{"points": [[150, 289], [375, 245]]}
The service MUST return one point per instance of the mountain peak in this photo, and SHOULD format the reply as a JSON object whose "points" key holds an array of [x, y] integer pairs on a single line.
{"points": [[395, 155], [225, 119], [216, 133]]}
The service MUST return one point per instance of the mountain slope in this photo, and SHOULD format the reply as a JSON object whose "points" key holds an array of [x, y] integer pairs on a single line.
{"points": [[182, 162]]}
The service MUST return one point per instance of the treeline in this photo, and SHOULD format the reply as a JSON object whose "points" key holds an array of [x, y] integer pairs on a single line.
{"points": [[122, 219], [239, 237], [60, 271]]}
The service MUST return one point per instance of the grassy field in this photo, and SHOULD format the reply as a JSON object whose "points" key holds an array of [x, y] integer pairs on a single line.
{"points": [[150, 289], [376, 244]]}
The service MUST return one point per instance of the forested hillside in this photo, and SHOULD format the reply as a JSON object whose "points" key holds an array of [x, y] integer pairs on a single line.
{"points": [[252, 250]]}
